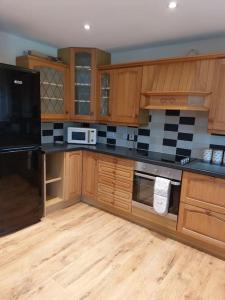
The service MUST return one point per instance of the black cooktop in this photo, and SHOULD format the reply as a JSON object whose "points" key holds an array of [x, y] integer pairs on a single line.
{"points": [[163, 157]]}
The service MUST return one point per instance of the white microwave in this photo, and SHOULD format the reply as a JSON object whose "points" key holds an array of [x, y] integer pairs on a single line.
{"points": [[76, 135]]}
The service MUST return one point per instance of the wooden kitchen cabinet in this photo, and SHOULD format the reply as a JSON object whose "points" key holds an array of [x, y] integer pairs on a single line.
{"points": [[73, 176], [115, 182], [83, 64], [182, 85], [202, 208], [89, 179], [105, 96], [54, 81], [217, 108], [126, 95], [119, 96], [203, 191], [202, 224]]}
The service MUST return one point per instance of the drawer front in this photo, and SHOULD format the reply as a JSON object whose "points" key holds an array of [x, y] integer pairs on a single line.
{"points": [[123, 173], [202, 224], [105, 198], [200, 189], [107, 180], [122, 205], [123, 195], [104, 188], [124, 185], [125, 163], [106, 168]]}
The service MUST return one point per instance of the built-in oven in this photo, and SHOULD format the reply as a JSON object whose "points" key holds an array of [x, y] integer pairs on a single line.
{"points": [[144, 181]]}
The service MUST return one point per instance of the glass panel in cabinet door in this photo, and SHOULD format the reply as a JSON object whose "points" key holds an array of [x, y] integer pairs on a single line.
{"points": [[105, 93], [52, 90], [82, 83]]}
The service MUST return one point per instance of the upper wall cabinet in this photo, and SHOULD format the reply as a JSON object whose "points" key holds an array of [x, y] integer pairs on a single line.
{"points": [[104, 92], [83, 64], [184, 85], [217, 108], [126, 95], [54, 86], [119, 96]]}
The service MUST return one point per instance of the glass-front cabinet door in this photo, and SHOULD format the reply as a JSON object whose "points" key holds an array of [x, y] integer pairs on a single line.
{"points": [[83, 83], [84, 63], [52, 92], [54, 86], [105, 95]]}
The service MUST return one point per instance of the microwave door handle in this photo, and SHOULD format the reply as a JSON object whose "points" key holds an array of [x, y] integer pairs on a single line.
{"points": [[88, 136], [176, 183]]}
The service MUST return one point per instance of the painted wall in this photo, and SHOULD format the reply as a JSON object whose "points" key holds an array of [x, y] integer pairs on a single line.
{"points": [[12, 46], [216, 44]]}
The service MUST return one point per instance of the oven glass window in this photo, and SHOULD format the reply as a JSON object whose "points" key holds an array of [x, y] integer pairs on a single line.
{"points": [[143, 190], [79, 136]]}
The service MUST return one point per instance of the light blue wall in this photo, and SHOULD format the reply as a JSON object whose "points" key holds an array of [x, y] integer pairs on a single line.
{"points": [[216, 44], [12, 46]]}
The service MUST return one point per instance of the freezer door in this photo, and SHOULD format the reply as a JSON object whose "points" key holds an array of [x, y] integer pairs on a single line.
{"points": [[19, 108], [21, 201]]}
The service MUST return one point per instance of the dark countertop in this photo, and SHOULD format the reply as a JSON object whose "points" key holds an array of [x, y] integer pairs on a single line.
{"points": [[162, 159]]}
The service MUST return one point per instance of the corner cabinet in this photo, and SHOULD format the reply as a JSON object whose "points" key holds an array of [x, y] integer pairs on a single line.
{"points": [[83, 64], [119, 92], [54, 81]]}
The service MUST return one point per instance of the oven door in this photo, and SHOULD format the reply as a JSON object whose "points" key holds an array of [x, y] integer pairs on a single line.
{"points": [[143, 192], [143, 188]]}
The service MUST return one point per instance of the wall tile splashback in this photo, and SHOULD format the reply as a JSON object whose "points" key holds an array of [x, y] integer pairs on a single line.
{"points": [[173, 132]]}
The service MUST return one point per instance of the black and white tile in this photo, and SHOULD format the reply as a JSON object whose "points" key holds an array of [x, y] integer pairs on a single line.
{"points": [[173, 132]]}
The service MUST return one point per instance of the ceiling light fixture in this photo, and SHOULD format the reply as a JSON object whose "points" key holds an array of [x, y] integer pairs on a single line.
{"points": [[172, 4], [87, 27]]}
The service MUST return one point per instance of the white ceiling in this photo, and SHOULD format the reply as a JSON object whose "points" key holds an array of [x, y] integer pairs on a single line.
{"points": [[115, 23]]}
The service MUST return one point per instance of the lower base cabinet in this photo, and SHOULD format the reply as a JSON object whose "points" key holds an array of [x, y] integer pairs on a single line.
{"points": [[107, 182], [89, 175], [202, 224], [202, 212], [73, 176], [115, 182]]}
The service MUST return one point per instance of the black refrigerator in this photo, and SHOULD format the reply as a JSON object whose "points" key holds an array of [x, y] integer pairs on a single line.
{"points": [[21, 200]]}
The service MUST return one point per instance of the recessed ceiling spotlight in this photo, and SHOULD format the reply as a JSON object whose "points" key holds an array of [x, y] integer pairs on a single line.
{"points": [[87, 26], [172, 4]]}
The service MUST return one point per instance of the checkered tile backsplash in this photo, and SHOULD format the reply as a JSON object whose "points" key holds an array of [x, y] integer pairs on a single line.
{"points": [[172, 132]]}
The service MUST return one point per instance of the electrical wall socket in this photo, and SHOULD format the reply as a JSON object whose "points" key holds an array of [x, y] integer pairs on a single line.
{"points": [[131, 136]]}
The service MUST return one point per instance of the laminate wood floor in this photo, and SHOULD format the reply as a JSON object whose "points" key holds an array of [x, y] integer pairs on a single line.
{"points": [[84, 253]]}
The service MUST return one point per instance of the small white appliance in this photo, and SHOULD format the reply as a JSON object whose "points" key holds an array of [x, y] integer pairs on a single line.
{"points": [[76, 135]]}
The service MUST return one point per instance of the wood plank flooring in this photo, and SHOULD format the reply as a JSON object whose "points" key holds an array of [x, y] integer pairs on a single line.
{"points": [[84, 253]]}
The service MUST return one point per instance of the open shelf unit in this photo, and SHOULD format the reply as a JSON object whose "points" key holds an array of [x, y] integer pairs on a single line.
{"points": [[54, 180]]}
